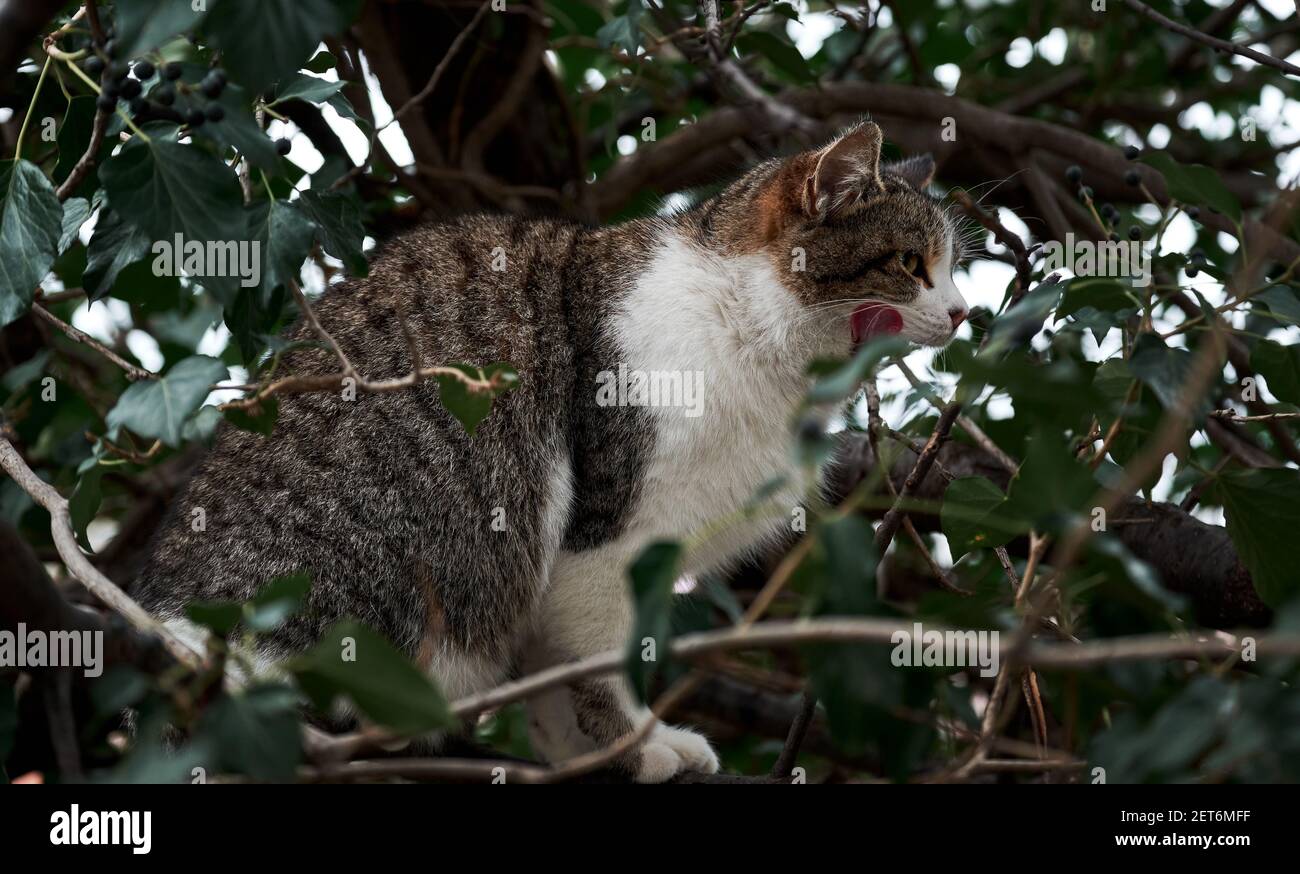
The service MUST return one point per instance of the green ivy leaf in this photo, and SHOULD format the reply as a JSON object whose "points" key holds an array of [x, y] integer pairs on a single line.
{"points": [[1262, 510], [623, 30], [256, 732], [652, 577], [75, 212], [239, 129], [354, 662], [1281, 302], [266, 40], [1194, 183], [262, 422], [1165, 369], [783, 55], [146, 24], [341, 232], [471, 407], [836, 382], [157, 408], [1280, 365], [165, 188], [115, 245], [31, 223], [219, 617], [969, 505], [308, 88], [85, 499], [277, 601], [286, 236], [1051, 486]]}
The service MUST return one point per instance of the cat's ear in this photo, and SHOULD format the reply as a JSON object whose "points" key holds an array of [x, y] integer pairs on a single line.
{"points": [[844, 172], [917, 171]]}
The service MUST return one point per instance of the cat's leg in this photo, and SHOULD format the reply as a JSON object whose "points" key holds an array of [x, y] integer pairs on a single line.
{"points": [[586, 610]]}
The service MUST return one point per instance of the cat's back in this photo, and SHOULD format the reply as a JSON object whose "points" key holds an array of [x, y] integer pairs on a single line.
{"points": [[350, 484]]}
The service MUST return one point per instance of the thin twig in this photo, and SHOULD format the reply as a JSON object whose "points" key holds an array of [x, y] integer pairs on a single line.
{"points": [[133, 372], [1211, 41]]}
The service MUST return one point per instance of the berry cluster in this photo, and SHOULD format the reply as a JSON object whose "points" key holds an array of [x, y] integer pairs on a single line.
{"points": [[125, 81]]}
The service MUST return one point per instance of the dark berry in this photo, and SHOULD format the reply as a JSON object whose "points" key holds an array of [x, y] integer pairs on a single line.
{"points": [[1073, 174], [105, 102], [1133, 178], [213, 83], [112, 89], [195, 118], [1135, 233], [1085, 193], [1193, 213], [1114, 238], [118, 70], [1191, 270], [94, 66], [144, 70], [172, 71], [215, 112], [283, 146], [130, 89], [1132, 152], [164, 94], [1107, 210], [110, 48]]}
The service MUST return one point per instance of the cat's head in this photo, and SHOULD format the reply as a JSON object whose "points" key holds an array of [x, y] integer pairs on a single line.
{"points": [[861, 244]]}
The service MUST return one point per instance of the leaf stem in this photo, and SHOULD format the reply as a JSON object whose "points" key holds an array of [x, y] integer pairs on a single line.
{"points": [[18, 148]]}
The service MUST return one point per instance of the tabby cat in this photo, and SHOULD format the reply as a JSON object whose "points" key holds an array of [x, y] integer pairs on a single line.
{"points": [[506, 551]]}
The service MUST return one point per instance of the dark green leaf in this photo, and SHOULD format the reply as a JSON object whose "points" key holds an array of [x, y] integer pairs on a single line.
{"points": [[31, 223], [838, 382], [1280, 365], [1262, 510], [256, 732], [338, 220], [85, 500], [114, 246], [652, 577], [259, 422], [75, 212], [1163, 368], [1194, 183], [166, 188], [145, 24], [266, 40], [783, 55], [970, 516], [354, 662], [157, 408], [470, 407]]}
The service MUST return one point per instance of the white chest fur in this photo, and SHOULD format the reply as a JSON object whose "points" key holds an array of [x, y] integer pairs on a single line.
{"points": [[727, 327]]}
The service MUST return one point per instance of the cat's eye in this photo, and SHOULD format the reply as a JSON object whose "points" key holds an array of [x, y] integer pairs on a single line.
{"points": [[912, 264]]}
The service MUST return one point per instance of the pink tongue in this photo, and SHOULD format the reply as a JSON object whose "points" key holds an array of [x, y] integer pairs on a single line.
{"points": [[873, 319]]}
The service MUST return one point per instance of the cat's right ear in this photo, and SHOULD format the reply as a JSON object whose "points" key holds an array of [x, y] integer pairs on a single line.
{"points": [[844, 173]]}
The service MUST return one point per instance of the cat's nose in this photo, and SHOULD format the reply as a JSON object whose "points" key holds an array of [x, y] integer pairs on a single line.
{"points": [[958, 315]]}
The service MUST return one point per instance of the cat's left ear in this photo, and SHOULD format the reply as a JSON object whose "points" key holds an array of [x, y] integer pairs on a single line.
{"points": [[844, 172], [917, 171]]}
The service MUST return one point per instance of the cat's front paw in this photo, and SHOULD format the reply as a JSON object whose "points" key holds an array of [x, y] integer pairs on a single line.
{"points": [[669, 751]]}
